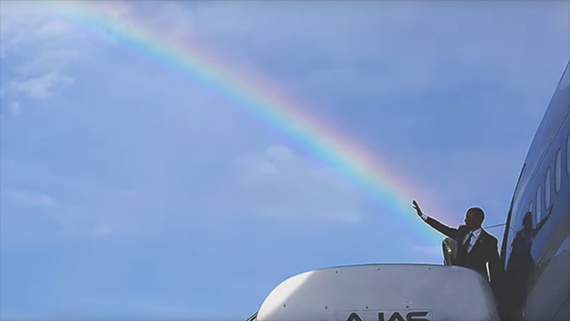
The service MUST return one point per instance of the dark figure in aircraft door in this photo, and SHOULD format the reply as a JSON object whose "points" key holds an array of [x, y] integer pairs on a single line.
{"points": [[520, 266]]}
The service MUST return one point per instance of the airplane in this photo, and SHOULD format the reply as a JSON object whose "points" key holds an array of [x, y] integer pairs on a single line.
{"points": [[535, 254]]}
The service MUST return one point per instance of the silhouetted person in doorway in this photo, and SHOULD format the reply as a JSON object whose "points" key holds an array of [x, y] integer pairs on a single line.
{"points": [[520, 266]]}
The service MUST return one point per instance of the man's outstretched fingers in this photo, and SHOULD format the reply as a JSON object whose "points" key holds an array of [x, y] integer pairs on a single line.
{"points": [[416, 207]]}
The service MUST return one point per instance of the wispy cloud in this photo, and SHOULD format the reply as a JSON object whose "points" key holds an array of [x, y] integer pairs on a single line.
{"points": [[36, 50], [29, 32], [41, 87], [31, 199]]}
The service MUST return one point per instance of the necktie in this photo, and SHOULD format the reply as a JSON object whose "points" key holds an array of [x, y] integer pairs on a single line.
{"points": [[468, 242]]}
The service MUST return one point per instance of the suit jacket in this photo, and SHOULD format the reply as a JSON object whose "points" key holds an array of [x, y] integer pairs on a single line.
{"points": [[485, 250]]}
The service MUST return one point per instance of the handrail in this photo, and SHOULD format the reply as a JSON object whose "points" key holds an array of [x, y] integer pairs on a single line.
{"points": [[508, 223], [497, 225], [253, 317]]}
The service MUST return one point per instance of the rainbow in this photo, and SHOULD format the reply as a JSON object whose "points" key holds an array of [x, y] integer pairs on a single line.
{"points": [[257, 98]]}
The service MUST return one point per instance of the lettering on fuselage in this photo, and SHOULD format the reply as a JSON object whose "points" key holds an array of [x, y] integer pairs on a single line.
{"points": [[393, 316]]}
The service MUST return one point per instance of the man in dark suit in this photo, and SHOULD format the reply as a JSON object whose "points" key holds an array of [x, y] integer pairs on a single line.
{"points": [[475, 247]]}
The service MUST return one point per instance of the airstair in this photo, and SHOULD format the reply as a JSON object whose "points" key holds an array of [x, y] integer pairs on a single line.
{"points": [[381, 292]]}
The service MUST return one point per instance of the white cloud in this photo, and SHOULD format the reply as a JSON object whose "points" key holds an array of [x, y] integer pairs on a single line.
{"points": [[46, 61], [31, 199], [42, 86], [37, 46], [27, 29]]}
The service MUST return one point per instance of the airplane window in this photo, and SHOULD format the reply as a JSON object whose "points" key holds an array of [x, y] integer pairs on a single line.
{"points": [[547, 183], [557, 171], [537, 202]]}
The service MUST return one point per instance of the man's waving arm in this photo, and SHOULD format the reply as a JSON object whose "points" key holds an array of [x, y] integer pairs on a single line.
{"points": [[446, 230], [419, 210]]}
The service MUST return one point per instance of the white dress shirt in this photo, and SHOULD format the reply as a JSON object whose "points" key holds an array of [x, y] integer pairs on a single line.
{"points": [[476, 234]]}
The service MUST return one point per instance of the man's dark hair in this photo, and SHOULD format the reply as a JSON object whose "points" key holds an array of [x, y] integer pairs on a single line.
{"points": [[479, 212]]}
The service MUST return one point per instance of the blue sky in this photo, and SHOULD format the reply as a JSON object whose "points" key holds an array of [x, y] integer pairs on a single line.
{"points": [[129, 192]]}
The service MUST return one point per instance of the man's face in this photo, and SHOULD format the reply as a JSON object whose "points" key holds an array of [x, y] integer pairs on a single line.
{"points": [[472, 221]]}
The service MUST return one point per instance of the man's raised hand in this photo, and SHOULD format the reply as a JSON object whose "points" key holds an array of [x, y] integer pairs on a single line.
{"points": [[417, 208]]}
